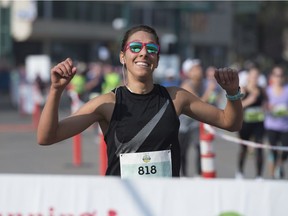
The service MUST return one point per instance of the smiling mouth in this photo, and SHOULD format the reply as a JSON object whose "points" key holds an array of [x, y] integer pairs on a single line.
{"points": [[142, 64]]}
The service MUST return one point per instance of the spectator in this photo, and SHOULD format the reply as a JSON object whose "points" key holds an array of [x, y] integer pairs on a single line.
{"points": [[276, 121], [213, 91], [189, 127], [170, 78], [78, 82], [94, 80], [253, 122], [111, 80], [243, 74]]}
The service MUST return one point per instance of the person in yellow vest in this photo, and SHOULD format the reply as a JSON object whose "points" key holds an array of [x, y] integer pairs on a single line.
{"points": [[112, 79], [78, 82]]}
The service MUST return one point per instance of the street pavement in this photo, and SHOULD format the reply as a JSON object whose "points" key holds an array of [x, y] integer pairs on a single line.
{"points": [[20, 153]]}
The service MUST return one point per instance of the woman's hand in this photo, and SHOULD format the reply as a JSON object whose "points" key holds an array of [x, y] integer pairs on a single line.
{"points": [[228, 79], [62, 74]]}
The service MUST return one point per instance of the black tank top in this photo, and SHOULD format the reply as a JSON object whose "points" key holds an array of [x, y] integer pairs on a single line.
{"points": [[259, 100], [142, 123]]}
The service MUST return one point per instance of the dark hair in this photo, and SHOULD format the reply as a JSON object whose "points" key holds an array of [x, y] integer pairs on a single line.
{"points": [[134, 29], [254, 67]]}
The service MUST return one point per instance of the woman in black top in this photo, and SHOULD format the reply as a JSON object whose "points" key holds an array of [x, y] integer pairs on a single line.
{"points": [[140, 119], [253, 123]]}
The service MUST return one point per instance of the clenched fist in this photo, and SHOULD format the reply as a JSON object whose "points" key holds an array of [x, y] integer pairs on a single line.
{"points": [[228, 79], [62, 74]]}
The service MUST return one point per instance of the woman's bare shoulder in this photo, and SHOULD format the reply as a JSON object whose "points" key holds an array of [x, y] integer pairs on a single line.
{"points": [[104, 99], [99, 104], [175, 91], [178, 96], [181, 98]]}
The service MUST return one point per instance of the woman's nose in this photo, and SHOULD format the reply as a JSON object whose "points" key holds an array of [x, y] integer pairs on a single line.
{"points": [[143, 51]]}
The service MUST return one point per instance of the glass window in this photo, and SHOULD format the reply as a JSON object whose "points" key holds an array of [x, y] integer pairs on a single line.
{"points": [[211, 55], [77, 51], [84, 10], [160, 17], [136, 16], [40, 9], [96, 11]]}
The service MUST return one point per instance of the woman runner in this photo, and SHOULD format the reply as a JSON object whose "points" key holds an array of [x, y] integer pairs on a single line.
{"points": [[139, 120]]}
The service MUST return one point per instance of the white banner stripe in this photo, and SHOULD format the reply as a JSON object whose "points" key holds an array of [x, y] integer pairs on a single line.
{"points": [[236, 140]]}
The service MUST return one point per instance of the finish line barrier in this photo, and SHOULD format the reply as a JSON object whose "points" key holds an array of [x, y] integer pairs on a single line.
{"points": [[55, 195], [243, 142], [76, 103], [207, 153]]}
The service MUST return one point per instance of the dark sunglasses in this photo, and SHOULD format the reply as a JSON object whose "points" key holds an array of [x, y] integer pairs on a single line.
{"points": [[136, 47]]}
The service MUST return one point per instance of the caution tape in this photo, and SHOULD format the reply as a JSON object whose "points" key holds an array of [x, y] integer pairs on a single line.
{"points": [[236, 140], [76, 101]]}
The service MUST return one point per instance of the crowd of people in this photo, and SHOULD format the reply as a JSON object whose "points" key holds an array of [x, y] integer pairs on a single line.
{"points": [[265, 117], [94, 79]]}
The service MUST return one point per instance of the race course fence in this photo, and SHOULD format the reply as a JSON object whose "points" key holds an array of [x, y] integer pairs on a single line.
{"points": [[59, 195]]}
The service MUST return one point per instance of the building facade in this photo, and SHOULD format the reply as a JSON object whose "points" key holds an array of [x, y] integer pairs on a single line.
{"points": [[204, 30], [78, 28]]}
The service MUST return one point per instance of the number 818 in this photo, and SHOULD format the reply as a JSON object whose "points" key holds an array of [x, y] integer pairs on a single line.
{"points": [[147, 170]]}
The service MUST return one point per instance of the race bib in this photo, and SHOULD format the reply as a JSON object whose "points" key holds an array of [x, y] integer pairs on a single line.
{"points": [[280, 110], [146, 164], [254, 114]]}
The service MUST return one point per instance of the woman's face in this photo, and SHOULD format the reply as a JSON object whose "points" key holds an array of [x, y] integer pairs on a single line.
{"points": [[277, 76], [210, 71], [196, 73], [253, 76], [141, 63]]}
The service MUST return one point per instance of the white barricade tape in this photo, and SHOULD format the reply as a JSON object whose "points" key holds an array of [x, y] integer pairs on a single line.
{"points": [[236, 140], [76, 101]]}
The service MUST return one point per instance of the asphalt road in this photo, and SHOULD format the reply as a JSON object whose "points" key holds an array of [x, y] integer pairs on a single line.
{"points": [[20, 153]]}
